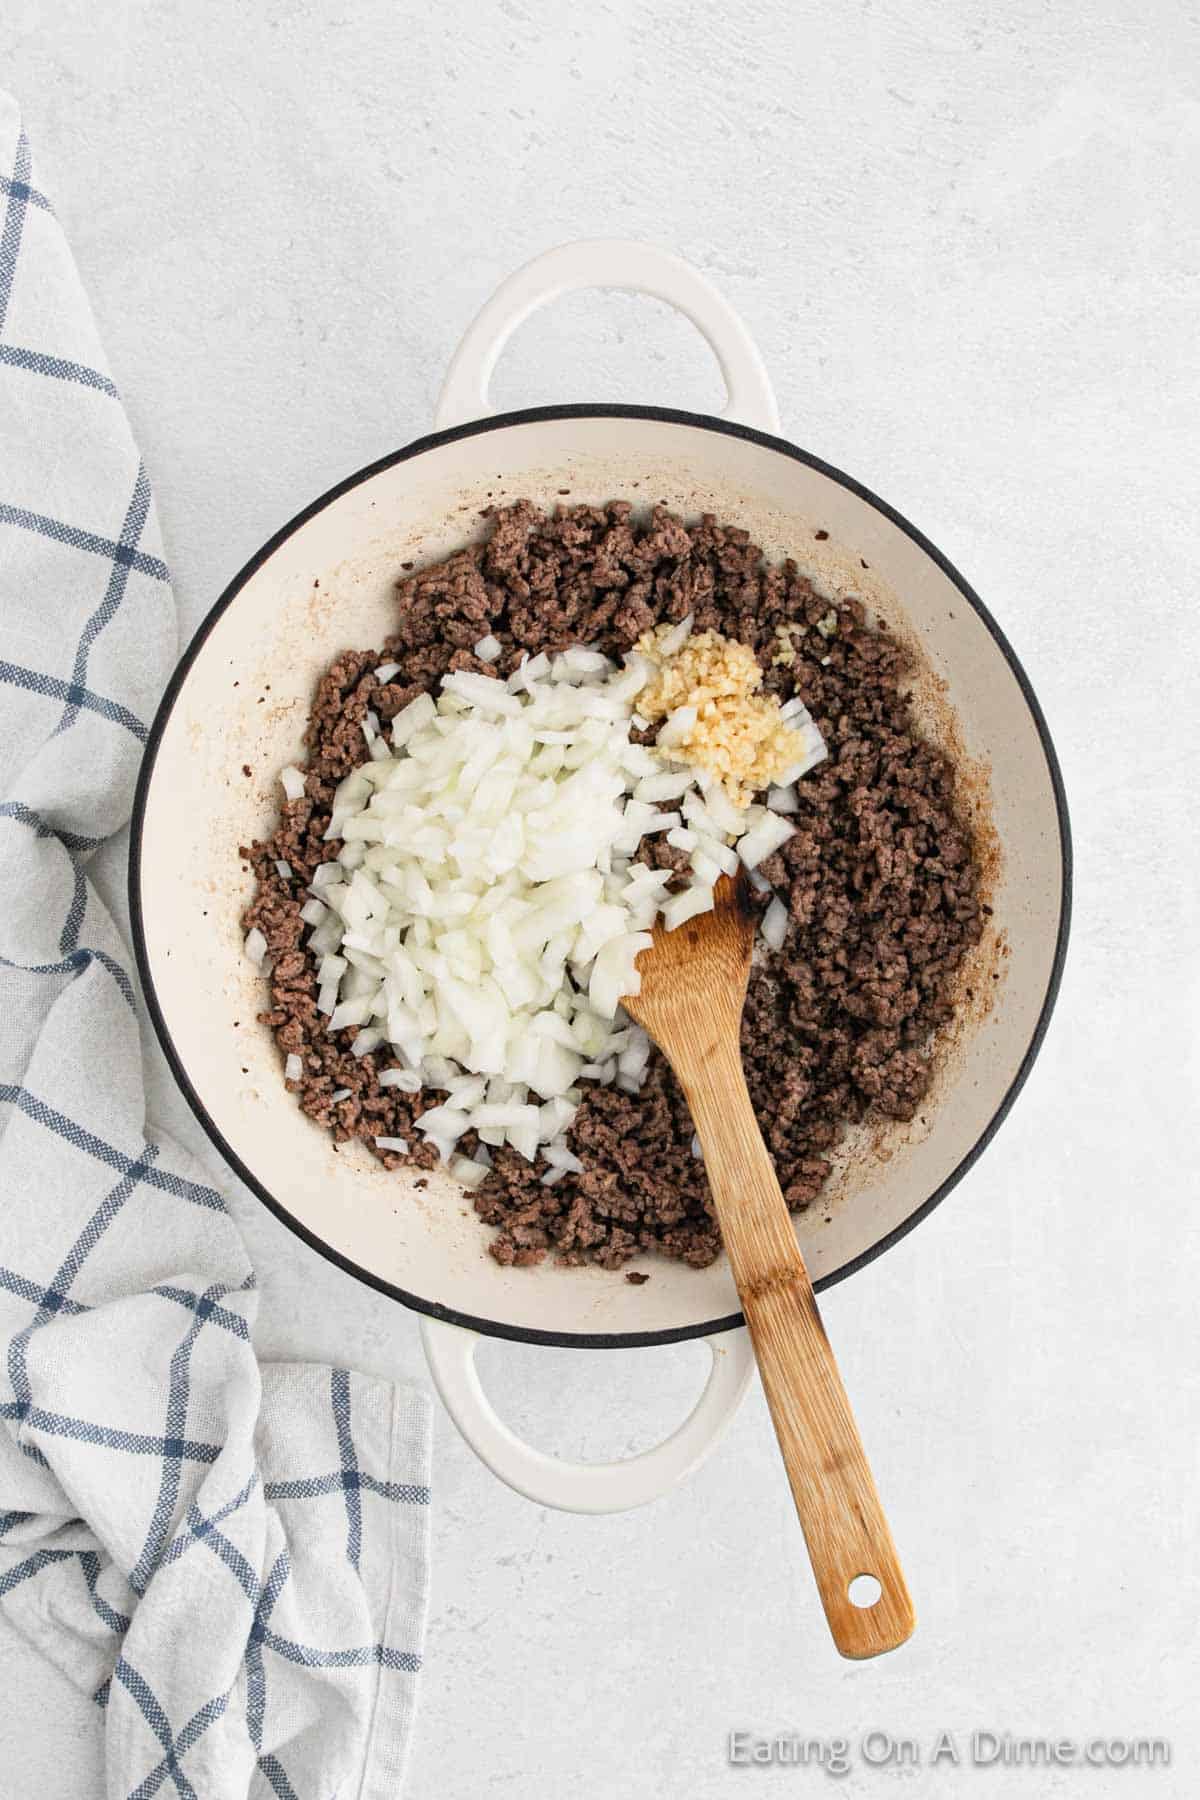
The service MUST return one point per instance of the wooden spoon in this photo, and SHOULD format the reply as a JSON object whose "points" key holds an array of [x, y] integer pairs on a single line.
{"points": [[692, 994]]}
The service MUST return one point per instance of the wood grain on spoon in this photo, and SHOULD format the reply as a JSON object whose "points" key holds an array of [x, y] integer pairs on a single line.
{"points": [[693, 989]]}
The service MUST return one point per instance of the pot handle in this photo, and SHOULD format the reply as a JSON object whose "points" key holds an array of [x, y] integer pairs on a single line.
{"points": [[608, 262], [584, 1487]]}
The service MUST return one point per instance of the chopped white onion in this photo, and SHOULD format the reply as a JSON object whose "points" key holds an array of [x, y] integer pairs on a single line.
{"points": [[407, 1080], [468, 1171], [706, 869], [775, 924], [814, 749], [398, 1145], [293, 1068], [439, 1072], [292, 782], [443, 1121], [677, 727], [559, 1157], [387, 672], [634, 1057], [508, 1116], [671, 786], [524, 1140], [338, 1095], [412, 718], [684, 906], [673, 641], [256, 945], [484, 914], [764, 838], [350, 1012]]}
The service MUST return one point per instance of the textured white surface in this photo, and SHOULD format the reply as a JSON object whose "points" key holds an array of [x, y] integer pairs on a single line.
{"points": [[967, 240]]}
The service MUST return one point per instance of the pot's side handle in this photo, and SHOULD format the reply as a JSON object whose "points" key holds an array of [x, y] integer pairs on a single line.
{"points": [[584, 1487], [614, 263]]}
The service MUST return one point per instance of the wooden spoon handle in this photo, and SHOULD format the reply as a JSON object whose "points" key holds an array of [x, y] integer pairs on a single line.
{"points": [[840, 1510]]}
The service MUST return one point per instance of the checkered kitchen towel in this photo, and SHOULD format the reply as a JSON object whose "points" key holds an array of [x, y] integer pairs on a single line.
{"points": [[231, 1560]]}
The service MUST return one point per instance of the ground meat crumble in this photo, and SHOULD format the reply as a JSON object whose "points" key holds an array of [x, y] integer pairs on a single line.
{"points": [[880, 879]]}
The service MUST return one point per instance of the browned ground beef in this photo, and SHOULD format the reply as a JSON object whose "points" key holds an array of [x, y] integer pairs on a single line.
{"points": [[881, 879]]}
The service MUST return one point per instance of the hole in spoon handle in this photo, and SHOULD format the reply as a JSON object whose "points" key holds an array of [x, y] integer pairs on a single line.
{"points": [[871, 1613], [864, 1591]]}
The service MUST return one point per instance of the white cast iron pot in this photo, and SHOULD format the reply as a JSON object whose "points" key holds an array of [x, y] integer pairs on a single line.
{"points": [[241, 695]]}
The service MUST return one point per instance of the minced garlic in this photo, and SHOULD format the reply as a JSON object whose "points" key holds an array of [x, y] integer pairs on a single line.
{"points": [[737, 733], [785, 656]]}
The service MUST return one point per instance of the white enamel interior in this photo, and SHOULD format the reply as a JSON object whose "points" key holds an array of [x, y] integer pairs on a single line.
{"points": [[244, 701]]}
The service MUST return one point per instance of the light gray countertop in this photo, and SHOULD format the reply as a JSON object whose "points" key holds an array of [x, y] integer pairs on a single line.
{"points": [[966, 238]]}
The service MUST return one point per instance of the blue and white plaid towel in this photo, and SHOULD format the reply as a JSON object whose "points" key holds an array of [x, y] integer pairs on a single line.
{"points": [[232, 1560]]}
